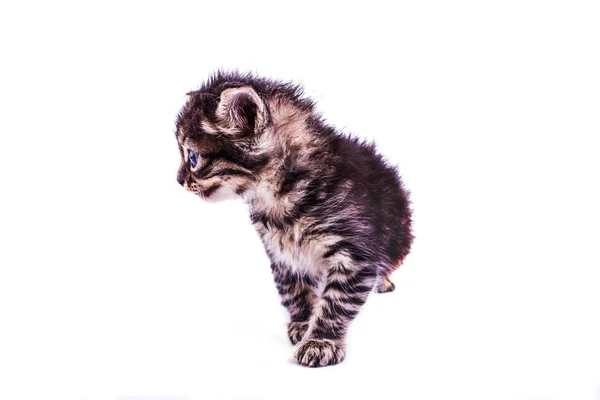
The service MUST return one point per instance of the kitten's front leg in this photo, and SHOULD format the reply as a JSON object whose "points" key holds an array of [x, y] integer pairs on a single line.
{"points": [[297, 295], [345, 291]]}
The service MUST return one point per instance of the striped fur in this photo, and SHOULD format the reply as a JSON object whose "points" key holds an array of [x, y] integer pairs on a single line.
{"points": [[333, 216]]}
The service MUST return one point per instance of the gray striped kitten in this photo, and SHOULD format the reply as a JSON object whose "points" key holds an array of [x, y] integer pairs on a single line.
{"points": [[333, 216]]}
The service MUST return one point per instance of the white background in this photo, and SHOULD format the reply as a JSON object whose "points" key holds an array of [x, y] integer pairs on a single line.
{"points": [[115, 283]]}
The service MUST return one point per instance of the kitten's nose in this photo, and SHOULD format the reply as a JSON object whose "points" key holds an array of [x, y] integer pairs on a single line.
{"points": [[180, 179]]}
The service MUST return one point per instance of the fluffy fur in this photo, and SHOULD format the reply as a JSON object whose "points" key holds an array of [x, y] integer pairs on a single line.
{"points": [[332, 214]]}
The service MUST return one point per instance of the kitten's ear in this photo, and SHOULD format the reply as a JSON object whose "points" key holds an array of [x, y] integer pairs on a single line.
{"points": [[241, 110], [191, 94]]}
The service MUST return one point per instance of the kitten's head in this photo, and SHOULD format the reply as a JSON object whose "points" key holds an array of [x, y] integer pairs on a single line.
{"points": [[218, 130]]}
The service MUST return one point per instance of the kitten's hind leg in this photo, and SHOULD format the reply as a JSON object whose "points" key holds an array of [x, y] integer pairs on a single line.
{"points": [[384, 281], [297, 295], [385, 285], [297, 330]]}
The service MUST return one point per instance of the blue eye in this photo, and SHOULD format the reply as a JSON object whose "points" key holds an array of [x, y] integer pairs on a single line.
{"points": [[193, 157]]}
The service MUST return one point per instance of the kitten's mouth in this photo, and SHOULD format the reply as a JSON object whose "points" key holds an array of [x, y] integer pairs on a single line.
{"points": [[206, 193]]}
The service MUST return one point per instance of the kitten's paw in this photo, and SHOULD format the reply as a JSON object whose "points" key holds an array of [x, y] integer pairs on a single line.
{"points": [[320, 352], [385, 286], [296, 331]]}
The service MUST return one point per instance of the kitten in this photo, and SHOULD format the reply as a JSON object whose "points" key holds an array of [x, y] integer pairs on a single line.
{"points": [[334, 218]]}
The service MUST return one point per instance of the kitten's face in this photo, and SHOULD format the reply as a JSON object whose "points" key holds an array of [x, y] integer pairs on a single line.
{"points": [[216, 137]]}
